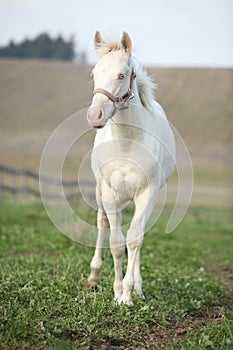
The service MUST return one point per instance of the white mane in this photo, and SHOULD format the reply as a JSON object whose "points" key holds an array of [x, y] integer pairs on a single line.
{"points": [[145, 86]]}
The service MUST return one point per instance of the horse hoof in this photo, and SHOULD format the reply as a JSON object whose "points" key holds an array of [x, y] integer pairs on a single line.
{"points": [[92, 286], [128, 303], [142, 296], [125, 301]]}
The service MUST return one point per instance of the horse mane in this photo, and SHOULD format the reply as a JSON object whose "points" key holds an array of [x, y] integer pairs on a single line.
{"points": [[144, 82], [105, 47], [145, 86]]}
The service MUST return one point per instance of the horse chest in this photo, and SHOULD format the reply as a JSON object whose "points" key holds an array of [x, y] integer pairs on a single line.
{"points": [[124, 178]]}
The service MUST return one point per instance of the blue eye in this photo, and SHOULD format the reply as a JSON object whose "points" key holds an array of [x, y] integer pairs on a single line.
{"points": [[121, 76]]}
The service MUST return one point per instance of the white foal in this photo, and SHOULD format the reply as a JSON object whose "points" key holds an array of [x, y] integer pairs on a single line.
{"points": [[132, 158]]}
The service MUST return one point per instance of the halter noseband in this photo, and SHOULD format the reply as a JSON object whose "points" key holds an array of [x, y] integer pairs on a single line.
{"points": [[118, 99]]}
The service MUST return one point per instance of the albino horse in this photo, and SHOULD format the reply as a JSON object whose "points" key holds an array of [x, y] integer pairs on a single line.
{"points": [[129, 162]]}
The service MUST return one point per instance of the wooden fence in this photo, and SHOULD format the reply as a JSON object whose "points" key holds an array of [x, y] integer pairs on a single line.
{"points": [[18, 182]]}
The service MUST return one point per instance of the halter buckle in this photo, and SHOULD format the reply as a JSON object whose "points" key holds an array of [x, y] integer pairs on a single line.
{"points": [[131, 95]]}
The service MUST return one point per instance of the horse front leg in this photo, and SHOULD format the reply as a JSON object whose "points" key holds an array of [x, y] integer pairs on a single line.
{"points": [[117, 246], [96, 263], [133, 249], [144, 203]]}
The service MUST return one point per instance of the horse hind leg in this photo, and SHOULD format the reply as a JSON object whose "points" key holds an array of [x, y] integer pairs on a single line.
{"points": [[96, 262], [138, 278]]}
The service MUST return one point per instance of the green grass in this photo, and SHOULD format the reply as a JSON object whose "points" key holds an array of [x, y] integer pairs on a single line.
{"points": [[187, 282]]}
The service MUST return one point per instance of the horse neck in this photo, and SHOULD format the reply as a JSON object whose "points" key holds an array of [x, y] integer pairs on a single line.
{"points": [[124, 120]]}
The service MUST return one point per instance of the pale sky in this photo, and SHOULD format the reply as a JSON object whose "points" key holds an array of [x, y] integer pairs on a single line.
{"points": [[164, 32]]}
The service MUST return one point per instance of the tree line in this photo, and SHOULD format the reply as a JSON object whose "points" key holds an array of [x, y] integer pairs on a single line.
{"points": [[43, 46]]}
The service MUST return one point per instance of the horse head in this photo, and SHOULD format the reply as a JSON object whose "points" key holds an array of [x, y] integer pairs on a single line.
{"points": [[113, 79]]}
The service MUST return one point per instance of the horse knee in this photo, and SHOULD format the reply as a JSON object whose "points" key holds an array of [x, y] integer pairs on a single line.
{"points": [[118, 252], [117, 244], [134, 239]]}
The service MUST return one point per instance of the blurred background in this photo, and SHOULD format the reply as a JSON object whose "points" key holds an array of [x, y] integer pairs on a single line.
{"points": [[46, 56]]}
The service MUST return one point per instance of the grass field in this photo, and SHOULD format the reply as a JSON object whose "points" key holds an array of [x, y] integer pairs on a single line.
{"points": [[188, 284]]}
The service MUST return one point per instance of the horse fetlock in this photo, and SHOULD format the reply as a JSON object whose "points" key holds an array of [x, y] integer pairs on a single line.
{"points": [[118, 289], [117, 297], [138, 286], [96, 266]]}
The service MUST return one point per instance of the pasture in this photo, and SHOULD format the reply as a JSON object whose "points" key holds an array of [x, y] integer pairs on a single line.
{"points": [[188, 284], [188, 275]]}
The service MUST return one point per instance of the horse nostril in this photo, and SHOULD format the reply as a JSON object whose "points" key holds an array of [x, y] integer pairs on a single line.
{"points": [[100, 114]]}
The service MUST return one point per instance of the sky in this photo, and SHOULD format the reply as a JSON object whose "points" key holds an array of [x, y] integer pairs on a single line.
{"points": [[163, 32]]}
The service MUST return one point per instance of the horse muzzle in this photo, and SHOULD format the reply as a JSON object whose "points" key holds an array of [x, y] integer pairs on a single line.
{"points": [[96, 117]]}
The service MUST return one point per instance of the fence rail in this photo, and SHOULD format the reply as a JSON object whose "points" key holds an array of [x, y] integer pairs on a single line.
{"points": [[24, 181]]}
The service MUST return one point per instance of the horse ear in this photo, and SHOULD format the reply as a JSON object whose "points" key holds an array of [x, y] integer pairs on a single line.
{"points": [[98, 40], [126, 43]]}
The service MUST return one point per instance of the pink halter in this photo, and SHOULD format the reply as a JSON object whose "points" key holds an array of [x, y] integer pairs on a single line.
{"points": [[125, 98]]}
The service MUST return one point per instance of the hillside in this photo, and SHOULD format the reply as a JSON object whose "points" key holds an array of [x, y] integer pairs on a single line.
{"points": [[35, 96], [199, 104]]}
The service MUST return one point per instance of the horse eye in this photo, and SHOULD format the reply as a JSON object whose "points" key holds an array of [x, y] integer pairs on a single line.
{"points": [[121, 76]]}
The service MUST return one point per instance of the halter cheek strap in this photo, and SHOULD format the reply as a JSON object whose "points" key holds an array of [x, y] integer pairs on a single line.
{"points": [[119, 99]]}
